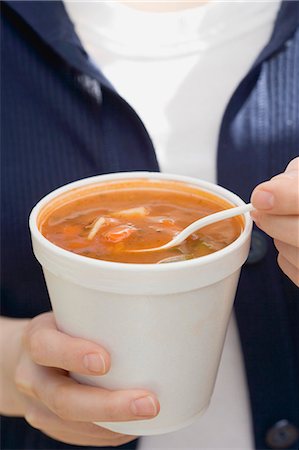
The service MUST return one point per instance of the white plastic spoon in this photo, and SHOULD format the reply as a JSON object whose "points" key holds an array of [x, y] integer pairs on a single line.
{"points": [[198, 224]]}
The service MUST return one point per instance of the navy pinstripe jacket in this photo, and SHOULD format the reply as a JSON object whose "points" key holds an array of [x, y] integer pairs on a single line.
{"points": [[62, 120]]}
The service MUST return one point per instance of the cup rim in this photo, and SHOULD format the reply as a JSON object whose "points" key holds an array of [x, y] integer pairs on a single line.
{"points": [[113, 265]]}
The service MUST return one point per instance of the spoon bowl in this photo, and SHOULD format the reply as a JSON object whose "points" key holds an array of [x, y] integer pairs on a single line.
{"points": [[198, 224]]}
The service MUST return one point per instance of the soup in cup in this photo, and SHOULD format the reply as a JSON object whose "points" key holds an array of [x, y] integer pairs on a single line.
{"points": [[162, 315]]}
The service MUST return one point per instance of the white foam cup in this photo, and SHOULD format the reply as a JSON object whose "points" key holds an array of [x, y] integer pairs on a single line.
{"points": [[163, 324]]}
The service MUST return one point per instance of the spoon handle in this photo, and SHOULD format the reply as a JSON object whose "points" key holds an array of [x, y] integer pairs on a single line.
{"points": [[205, 221], [198, 224]]}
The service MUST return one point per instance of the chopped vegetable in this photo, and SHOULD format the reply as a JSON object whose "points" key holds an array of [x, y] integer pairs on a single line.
{"points": [[118, 234], [174, 259], [97, 225], [138, 212]]}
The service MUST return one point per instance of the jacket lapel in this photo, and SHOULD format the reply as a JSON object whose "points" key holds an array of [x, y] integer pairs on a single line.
{"points": [[285, 25], [50, 21]]}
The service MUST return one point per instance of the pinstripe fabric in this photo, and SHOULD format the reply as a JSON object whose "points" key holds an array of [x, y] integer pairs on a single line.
{"points": [[63, 121], [260, 141]]}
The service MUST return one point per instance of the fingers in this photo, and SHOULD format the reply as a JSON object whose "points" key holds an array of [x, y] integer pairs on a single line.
{"points": [[282, 228], [49, 347], [277, 213], [80, 433], [289, 252], [288, 260], [72, 401], [280, 195], [77, 439], [289, 269], [63, 395]]}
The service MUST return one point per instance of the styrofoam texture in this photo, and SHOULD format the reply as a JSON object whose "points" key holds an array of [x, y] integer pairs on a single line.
{"points": [[164, 325]]}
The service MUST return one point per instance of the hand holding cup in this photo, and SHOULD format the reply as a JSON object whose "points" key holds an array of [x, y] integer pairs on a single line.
{"points": [[58, 405]]}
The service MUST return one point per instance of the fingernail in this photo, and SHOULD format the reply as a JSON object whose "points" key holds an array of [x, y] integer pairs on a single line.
{"points": [[263, 200], [144, 406], [94, 362]]}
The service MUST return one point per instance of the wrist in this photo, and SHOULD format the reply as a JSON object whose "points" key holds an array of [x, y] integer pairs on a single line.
{"points": [[11, 335]]}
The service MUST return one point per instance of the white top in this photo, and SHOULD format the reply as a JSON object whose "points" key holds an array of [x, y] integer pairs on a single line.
{"points": [[178, 70]]}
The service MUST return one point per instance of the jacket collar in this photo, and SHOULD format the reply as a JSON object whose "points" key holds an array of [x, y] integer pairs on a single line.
{"points": [[50, 21], [286, 23]]}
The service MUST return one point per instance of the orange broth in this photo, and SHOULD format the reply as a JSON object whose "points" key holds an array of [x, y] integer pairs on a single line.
{"points": [[106, 220]]}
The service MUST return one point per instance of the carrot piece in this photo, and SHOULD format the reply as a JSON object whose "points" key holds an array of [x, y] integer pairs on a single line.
{"points": [[119, 233]]}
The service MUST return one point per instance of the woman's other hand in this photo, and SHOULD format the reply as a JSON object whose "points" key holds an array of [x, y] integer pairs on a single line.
{"points": [[277, 213]]}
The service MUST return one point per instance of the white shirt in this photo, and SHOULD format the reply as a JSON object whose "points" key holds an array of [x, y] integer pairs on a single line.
{"points": [[178, 71]]}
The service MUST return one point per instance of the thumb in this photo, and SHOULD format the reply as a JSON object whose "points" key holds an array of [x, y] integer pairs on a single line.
{"points": [[280, 195]]}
